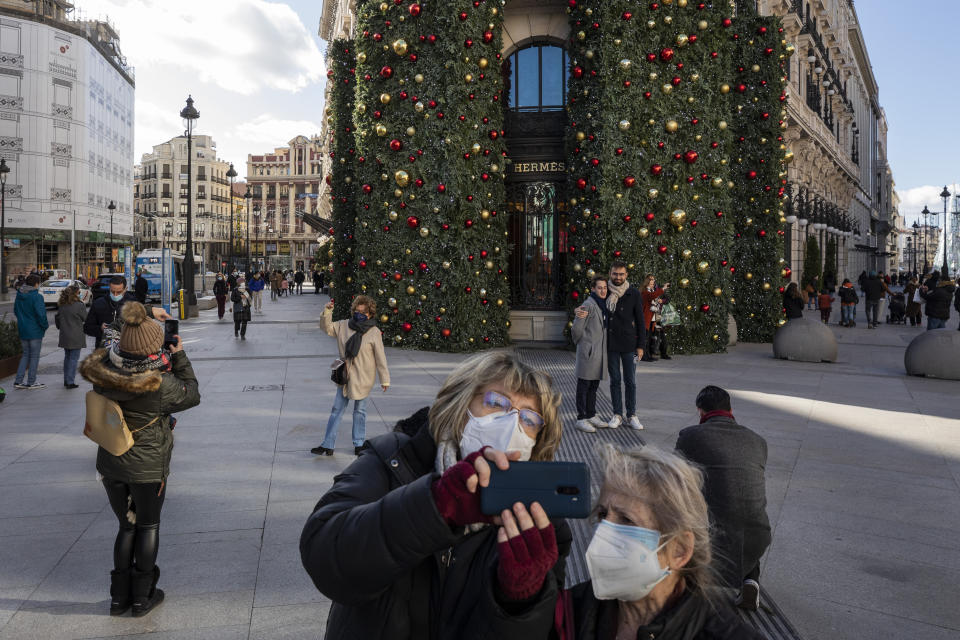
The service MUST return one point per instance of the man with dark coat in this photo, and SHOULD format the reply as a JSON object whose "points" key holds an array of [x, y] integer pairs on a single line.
{"points": [[626, 340], [733, 458], [874, 288], [298, 278], [140, 287], [938, 299], [317, 281], [106, 309]]}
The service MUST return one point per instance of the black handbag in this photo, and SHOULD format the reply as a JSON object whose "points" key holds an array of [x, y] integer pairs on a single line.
{"points": [[338, 372]]}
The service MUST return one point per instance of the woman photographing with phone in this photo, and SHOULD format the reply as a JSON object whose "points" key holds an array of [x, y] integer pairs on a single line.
{"points": [[399, 543]]}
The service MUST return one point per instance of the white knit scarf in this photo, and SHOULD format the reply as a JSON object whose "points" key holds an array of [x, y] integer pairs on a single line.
{"points": [[614, 292]]}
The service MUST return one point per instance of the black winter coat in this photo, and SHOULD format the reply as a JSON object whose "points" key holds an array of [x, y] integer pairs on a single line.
{"points": [[733, 459], [794, 306], [626, 330], [140, 287], [104, 311], [938, 300], [377, 546], [848, 295], [220, 288], [692, 617], [874, 288]]}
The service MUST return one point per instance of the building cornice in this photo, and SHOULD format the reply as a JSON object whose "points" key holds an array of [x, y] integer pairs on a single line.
{"points": [[863, 62]]}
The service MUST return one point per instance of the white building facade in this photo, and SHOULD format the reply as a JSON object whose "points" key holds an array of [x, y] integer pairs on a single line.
{"points": [[66, 133]]}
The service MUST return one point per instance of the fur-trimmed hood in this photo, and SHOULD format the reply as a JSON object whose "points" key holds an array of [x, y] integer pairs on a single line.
{"points": [[97, 369]]}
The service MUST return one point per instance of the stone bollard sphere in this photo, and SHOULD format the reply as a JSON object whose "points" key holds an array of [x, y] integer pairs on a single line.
{"points": [[805, 340], [935, 354]]}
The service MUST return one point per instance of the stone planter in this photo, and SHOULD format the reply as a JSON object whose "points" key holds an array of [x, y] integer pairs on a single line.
{"points": [[8, 366]]}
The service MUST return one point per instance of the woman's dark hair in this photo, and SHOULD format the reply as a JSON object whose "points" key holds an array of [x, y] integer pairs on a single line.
{"points": [[32, 280], [713, 398], [793, 290]]}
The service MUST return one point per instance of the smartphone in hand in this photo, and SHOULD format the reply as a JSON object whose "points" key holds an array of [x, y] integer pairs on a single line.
{"points": [[561, 488], [171, 328]]}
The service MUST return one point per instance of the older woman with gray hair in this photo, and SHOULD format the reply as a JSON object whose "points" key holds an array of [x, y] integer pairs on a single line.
{"points": [[649, 559]]}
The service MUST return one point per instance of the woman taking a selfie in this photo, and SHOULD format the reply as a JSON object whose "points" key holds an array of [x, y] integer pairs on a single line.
{"points": [[399, 542]]}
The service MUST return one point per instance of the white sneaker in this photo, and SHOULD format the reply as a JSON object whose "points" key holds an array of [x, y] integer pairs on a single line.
{"points": [[634, 423], [597, 421], [615, 422], [586, 426]]}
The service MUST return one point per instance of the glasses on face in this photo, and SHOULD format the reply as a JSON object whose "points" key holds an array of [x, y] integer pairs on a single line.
{"points": [[529, 419]]}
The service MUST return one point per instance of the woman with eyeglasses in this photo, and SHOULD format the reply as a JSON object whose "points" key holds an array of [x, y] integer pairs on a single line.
{"points": [[399, 543]]}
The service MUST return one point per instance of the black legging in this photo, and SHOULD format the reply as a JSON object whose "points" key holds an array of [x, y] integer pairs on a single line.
{"points": [[239, 326], [136, 542]]}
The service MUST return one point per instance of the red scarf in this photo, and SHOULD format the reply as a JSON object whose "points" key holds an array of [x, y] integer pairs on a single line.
{"points": [[717, 413]]}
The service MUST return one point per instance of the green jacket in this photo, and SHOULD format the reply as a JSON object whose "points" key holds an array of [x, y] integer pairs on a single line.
{"points": [[143, 397]]}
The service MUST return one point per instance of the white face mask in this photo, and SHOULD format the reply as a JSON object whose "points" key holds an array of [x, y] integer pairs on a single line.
{"points": [[499, 430], [623, 563]]}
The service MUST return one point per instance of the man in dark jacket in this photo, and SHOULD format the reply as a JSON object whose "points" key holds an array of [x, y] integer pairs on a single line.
{"points": [[938, 302], [317, 281], [106, 309], [733, 458], [298, 279], [874, 289], [626, 339], [140, 288], [31, 313]]}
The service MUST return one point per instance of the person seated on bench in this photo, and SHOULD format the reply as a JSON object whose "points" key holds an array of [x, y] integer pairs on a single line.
{"points": [[649, 559], [733, 458]]}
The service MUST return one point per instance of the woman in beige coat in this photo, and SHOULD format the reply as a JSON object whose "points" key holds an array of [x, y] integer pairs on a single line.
{"points": [[361, 346]]}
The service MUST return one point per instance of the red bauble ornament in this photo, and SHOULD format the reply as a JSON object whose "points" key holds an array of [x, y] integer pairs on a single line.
{"points": [[727, 22], [666, 54], [367, 188], [444, 332], [656, 169], [398, 276], [648, 216], [575, 295], [386, 72], [463, 16], [377, 37], [705, 308], [407, 327], [675, 81], [468, 43], [441, 188], [431, 38], [690, 156], [629, 182], [413, 222], [488, 37], [762, 233], [752, 175], [594, 161], [363, 264], [626, 15], [468, 223], [396, 145], [578, 72], [484, 176], [493, 134], [619, 151], [419, 182], [661, 249], [581, 184], [414, 10], [651, 57]]}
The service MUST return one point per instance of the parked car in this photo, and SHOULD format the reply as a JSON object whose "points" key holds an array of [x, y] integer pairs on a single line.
{"points": [[101, 287], [55, 274], [51, 290]]}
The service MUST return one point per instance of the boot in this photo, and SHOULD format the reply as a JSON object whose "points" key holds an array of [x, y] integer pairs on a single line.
{"points": [[146, 596], [120, 598]]}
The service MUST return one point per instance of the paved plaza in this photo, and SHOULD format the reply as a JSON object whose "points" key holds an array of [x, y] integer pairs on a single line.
{"points": [[863, 484]]}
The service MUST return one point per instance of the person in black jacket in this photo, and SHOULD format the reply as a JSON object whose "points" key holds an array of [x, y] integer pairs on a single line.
{"points": [[734, 459], [106, 309], [220, 293], [938, 300], [298, 278], [874, 288], [792, 302], [649, 559], [399, 543], [140, 287], [626, 340], [317, 281]]}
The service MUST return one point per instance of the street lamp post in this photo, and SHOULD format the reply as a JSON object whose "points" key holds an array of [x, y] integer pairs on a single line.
{"points": [[111, 207], [916, 227], [944, 272], [247, 197], [189, 115], [232, 173], [4, 170], [926, 228]]}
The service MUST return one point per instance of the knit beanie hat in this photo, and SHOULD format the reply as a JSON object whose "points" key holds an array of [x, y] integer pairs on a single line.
{"points": [[140, 336]]}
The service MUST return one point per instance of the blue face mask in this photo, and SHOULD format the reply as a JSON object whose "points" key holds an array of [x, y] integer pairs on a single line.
{"points": [[115, 297], [360, 317]]}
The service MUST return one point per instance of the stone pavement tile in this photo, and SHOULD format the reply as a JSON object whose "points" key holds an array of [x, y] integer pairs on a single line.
{"points": [[69, 620], [860, 480], [873, 452], [281, 578], [235, 632], [82, 468], [299, 475], [10, 600], [68, 444], [8, 459], [27, 559], [254, 434], [60, 499], [289, 622], [210, 497], [75, 523], [285, 520], [820, 617]]}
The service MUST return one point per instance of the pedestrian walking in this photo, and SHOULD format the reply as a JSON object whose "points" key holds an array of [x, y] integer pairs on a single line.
{"points": [[31, 313], [232, 280], [298, 278], [652, 296], [626, 341], [140, 287], [848, 304], [874, 289], [939, 298], [149, 384], [911, 294], [69, 319], [810, 293], [399, 543], [257, 285], [284, 286], [734, 459], [275, 285], [792, 302], [589, 333], [360, 344], [825, 304], [220, 293], [106, 309], [317, 281], [649, 558], [240, 298]]}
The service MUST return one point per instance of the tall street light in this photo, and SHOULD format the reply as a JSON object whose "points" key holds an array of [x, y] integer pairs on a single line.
{"points": [[916, 227], [926, 229], [944, 272], [4, 170], [247, 198], [189, 115], [232, 173], [111, 207]]}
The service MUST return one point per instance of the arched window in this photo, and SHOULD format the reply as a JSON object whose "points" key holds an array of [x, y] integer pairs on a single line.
{"points": [[537, 79]]}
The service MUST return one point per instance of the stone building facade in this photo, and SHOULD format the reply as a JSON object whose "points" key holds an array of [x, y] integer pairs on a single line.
{"points": [[841, 185]]}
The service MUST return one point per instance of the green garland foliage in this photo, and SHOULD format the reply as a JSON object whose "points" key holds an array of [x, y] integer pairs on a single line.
{"points": [[830, 262], [811, 262], [648, 146], [431, 242], [341, 62], [758, 100]]}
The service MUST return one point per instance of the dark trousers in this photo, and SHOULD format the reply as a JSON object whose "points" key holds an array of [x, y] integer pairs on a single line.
{"points": [[239, 326], [299, 288], [136, 541], [873, 306], [316, 287], [587, 398], [825, 314], [628, 379], [656, 341], [221, 302]]}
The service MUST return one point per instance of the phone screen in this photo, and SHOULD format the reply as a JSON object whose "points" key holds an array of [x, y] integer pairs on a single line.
{"points": [[170, 329]]}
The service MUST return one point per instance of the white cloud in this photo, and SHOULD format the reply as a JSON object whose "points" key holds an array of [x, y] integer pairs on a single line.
{"points": [[267, 131], [242, 46], [912, 202]]}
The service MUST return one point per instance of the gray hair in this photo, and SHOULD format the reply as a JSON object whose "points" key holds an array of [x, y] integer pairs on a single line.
{"points": [[673, 490]]}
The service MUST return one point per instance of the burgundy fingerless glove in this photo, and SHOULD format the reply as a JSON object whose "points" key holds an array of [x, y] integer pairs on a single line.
{"points": [[525, 561], [456, 505]]}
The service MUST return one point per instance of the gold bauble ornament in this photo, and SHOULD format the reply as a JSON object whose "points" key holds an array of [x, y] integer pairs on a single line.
{"points": [[411, 131], [651, 24], [643, 232], [717, 291], [482, 63], [411, 290], [419, 107], [581, 35], [475, 148], [624, 125], [766, 286], [418, 78], [384, 98], [424, 232], [402, 178], [361, 108], [468, 78], [499, 302], [686, 254], [681, 3], [748, 276], [702, 266], [716, 183], [755, 68], [667, 89], [722, 125], [484, 215], [397, 193], [589, 54], [381, 130], [671, 126], [790, 49], [625, 64], [393, 216], [652, 193], [781, 322], [349, 279], [581, 136], [788, 157], [716, 337], [724, 88], [392, 302], [489, 264], [682, 40], [384, 318], [677, 216], [398, 339], [400, 47], [445, 264], [361, 57], [684, 282], [702, 25]]}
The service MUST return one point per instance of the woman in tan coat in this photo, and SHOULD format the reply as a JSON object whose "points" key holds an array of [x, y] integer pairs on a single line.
{"points": [[361, 346]]}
